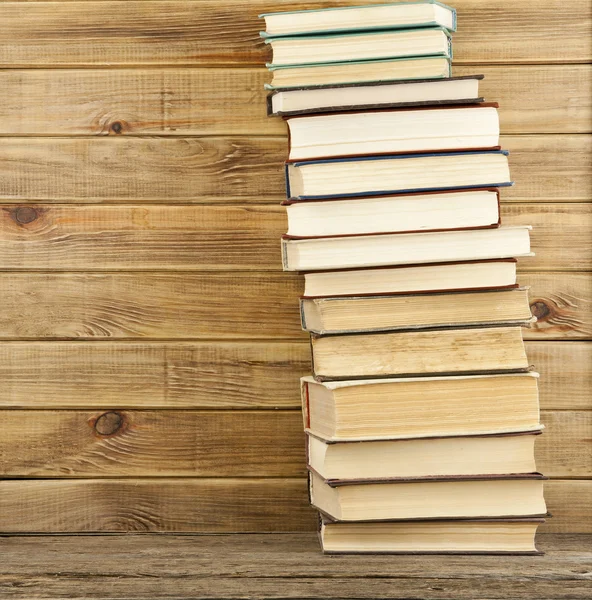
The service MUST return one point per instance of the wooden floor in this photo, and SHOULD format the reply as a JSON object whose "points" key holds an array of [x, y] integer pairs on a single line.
{"points": [[278, 566]]}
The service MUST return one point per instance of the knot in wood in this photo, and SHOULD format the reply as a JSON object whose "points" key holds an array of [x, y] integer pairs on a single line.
{"points": [[24, 215], [117, 127], [109, 423], [540, 310]]}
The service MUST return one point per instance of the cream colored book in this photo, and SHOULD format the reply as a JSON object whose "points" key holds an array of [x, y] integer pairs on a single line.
{"points": [[417, 407], [424, 352], [419, 311], [495, 536], [446, 498], [418, 129], [425, 457]]}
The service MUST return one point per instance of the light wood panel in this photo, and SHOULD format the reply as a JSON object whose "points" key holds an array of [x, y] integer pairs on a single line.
{"points": [[235, 169], [140, 505], [163, 443], [225, 238], [177, 102], [217, 374], [566, 376], [206, 505], [161, 375], [210, 32], [562, 304], [220, 305]]}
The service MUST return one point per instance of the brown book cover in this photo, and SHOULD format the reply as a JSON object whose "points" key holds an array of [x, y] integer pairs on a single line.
{"points": [[370, 106]]}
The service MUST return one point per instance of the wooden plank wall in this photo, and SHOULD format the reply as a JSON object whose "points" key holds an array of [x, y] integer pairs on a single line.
{"points": [[149, 343]]}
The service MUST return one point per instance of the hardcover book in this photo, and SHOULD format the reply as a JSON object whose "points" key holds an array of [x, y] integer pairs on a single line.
{"points": [[391, 131], [382, 94], [423, 352], [418, 407], [399, 15]]}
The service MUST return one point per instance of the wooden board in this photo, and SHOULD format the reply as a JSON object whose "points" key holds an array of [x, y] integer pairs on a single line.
{"points": [[175, 33], [221, 305], [164, 443], [236, 169], [181, 102], [216, 374], [226, 238], [206, 505], [278, 566]]}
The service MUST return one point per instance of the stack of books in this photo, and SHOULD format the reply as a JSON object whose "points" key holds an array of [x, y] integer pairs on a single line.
{"points": [[422, 412]]}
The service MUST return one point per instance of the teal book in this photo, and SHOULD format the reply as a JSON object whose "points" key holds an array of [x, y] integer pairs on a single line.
{"points": [[358, 46], [374, 17], [359, 71]]}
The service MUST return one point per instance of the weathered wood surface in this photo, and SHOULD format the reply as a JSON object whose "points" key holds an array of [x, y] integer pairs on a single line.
{"points": [[216, 374], [236, 169], [207, 505], [178, 102], [231, 305], [175, 238], [142, 566], [165, 443], [177, 33]]}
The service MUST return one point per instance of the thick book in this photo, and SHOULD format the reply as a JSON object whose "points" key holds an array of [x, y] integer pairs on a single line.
{"points": [[383, 94], [428, 457], [423, 352], [406, 279], [346, 47], [387, 174], [418, 407], [375, 250], [369, 71], [459, 536], [391, 131], [418, 311], [399, 15], [486, 496], [395, 213]]}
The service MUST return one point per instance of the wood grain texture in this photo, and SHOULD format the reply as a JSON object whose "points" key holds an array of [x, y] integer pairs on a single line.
{"points": [[153, 443], [141, 505], [143, 443], [158, 375], [566, 377], [175, 238], [181, 101], [221, 305], [206, 505], [209, 32], [562, 304], [236, 169], [216, 374], [132, 566]]}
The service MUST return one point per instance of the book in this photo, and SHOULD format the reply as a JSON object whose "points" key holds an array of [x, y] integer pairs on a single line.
{"points": [[417, 407], [346, 47], [428, 457], [400, 15], [391, 131], [362, 96], [296, 76], [417, 311], [405, 279], [429, 211], [386, 174], [423, 352], [374, 250], [459, 536], [465, 497]]}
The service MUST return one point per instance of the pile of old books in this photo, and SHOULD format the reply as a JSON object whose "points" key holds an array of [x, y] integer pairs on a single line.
{"points": [[421, 414]]}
